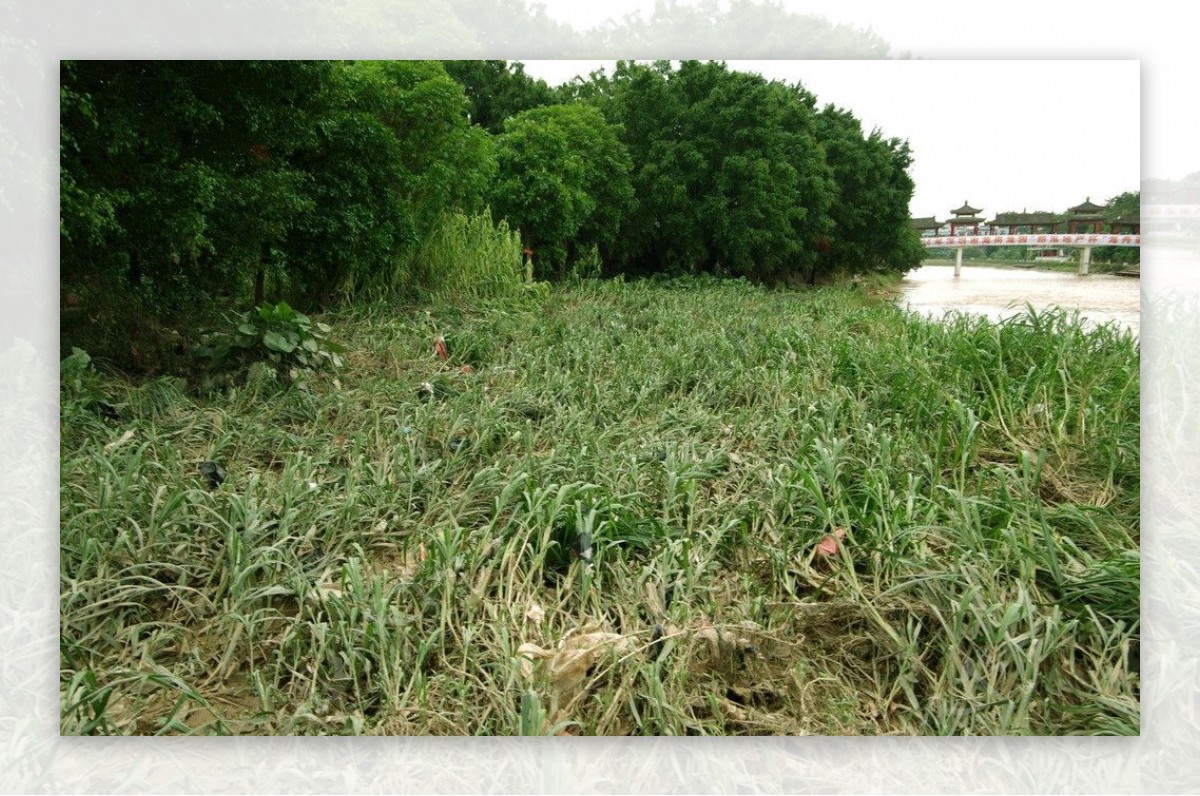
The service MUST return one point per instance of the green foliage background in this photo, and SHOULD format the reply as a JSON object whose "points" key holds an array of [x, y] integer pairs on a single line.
{"points": [[193, 188]]}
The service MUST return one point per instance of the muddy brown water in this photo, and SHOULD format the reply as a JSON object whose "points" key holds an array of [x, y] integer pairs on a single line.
{"points": [[933, 290]]}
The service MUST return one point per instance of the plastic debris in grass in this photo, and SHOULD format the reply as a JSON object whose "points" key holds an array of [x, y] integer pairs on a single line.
{"points": [[214, 474], [439, 348], [583, 547], [831, 544], [439, 388], [322, 591], [110, 447], [723, 647], [709, 647], [595, 524], [105, 410], [570, 665]]}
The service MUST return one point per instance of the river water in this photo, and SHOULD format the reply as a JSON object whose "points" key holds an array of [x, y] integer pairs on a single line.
{"points": [[933, 290]]}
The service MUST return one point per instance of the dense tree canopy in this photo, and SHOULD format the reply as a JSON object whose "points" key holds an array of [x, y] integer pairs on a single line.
{"points": [[176, 172], [498, 90], [1123, 206], [564, 180], [739, 175], [185, 182], [871, 226], [182, 176], [393, 153]]}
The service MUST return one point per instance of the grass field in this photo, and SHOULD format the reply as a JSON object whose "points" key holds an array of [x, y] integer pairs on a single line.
{"points": [[691, 508]]}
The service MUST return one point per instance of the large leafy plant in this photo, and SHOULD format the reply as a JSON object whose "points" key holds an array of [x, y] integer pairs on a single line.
{"points": [[275, 334]]}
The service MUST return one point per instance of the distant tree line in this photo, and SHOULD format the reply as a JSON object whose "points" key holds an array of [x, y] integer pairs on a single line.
{"points": [[186, 182], [1122, 205]]}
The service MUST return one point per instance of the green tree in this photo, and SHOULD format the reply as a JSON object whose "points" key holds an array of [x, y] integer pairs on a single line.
{"points": [[188, 185], [871, 228], [727, 170], [498, 90], [563, 181], [176, 175], [1123, 205], [1128, 203], [391, 154], [447, 163]]}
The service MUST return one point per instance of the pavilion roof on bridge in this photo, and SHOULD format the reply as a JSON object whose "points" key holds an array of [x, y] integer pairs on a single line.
{"points": [[926, 222], [1087, 208], [967, 210], [1036, 218]]}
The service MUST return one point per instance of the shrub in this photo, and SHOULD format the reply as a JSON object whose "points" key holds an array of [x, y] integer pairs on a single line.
{"points": [[75, 372], [276, 334]]}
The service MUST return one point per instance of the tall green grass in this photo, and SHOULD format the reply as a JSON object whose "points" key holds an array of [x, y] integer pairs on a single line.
{"points": [[468, 257], [378, 556]]}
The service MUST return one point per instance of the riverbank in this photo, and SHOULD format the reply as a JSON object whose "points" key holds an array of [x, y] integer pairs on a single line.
{"points": [[651, 508], [996, 293]]}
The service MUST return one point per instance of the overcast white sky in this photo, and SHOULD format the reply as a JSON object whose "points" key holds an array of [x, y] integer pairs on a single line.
{"points": [[1002, 135], [1161, 34]]}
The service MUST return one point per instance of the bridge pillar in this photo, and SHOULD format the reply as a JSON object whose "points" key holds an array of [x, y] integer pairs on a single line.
{"points": [[958, 261], [1085, 260]]}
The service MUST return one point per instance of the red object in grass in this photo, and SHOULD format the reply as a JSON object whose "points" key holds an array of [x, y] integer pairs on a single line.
{"points": [[468, 369], [829, 545], [439, 348]]}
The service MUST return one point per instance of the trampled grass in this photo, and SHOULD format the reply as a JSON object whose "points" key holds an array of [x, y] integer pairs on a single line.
{"points": [[651, 508]]}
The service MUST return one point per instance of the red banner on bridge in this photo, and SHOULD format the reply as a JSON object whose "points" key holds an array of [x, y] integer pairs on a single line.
{"points": [[1081, 239]]}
